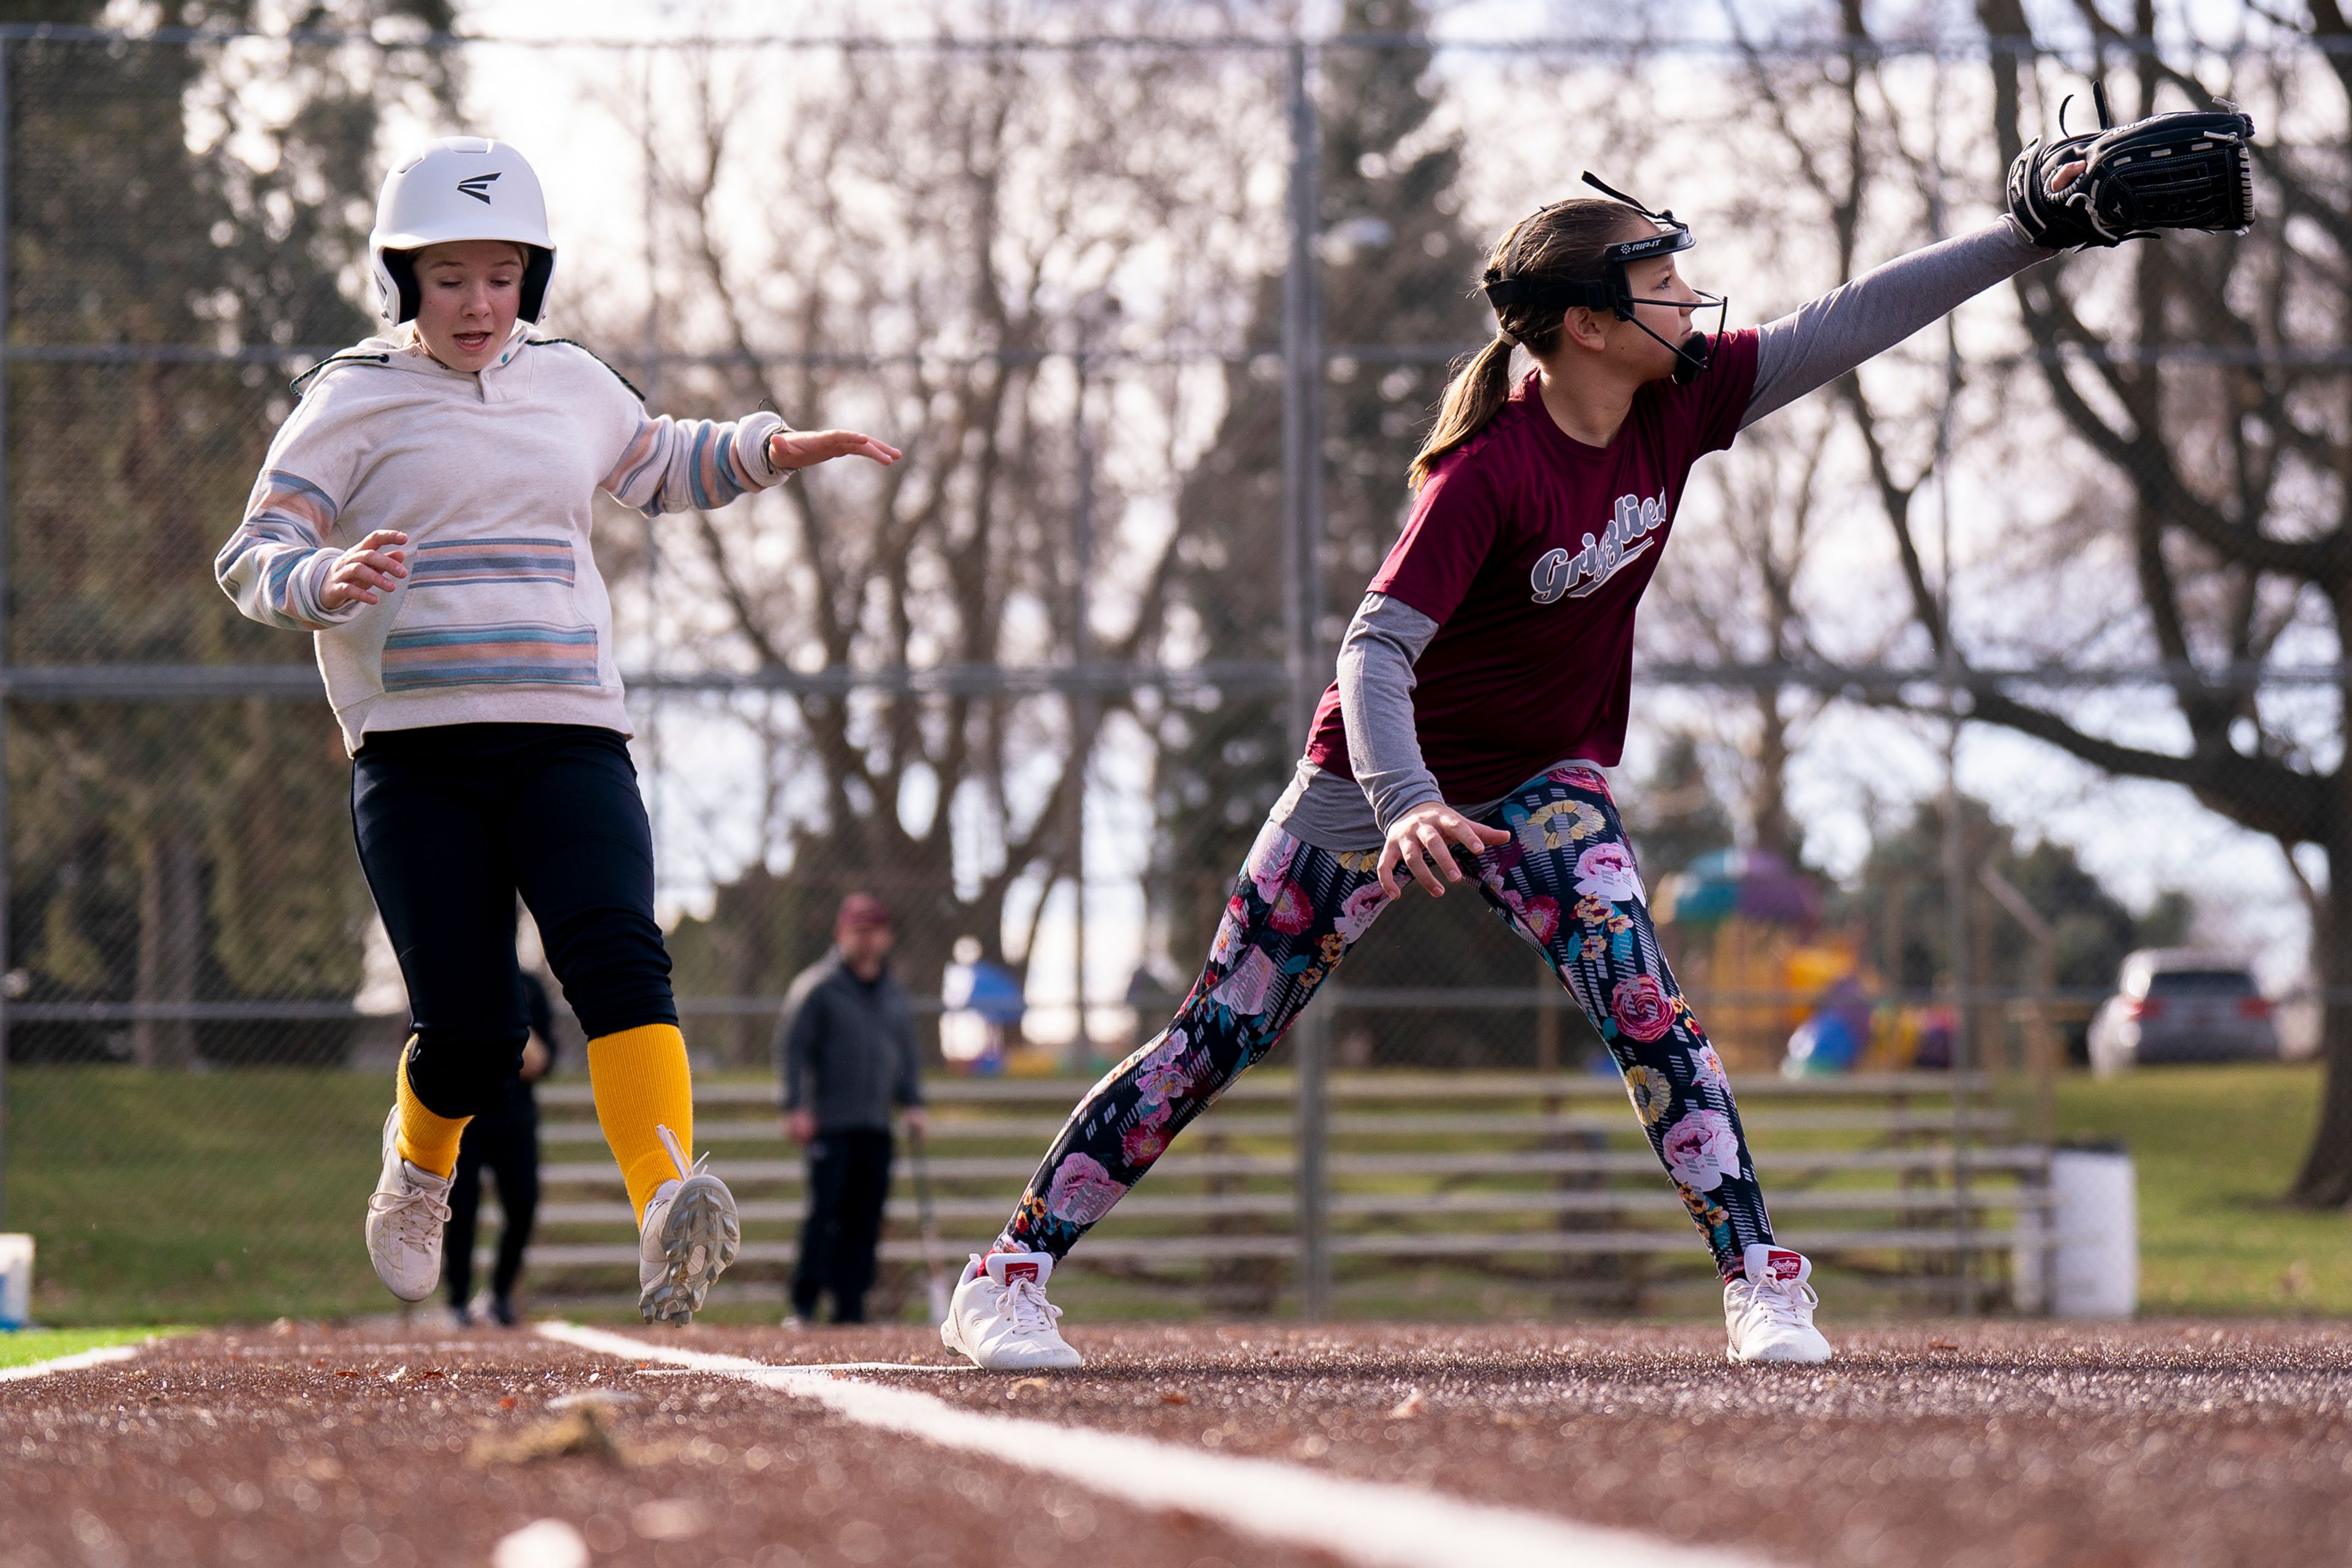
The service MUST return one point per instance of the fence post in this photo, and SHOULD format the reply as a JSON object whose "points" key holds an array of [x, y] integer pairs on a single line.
{"points": [[1302, 423], [1955, 845], [649, 739], [1311, 1042], [1302, 475], [1084, 708]]}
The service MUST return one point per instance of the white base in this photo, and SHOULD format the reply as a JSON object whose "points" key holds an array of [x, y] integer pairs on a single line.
{"points": [[15, 1280]]}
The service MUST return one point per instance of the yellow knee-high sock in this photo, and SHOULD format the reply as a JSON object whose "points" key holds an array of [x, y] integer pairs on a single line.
{"points": [[641, 1082], [423, 1138]]}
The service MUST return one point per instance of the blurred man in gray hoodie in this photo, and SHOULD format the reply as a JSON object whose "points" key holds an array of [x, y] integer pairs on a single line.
{"points": [[846, 1047]]}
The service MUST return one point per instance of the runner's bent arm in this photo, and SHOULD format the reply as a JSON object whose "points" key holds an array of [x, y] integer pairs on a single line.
{"points": [[276, 565]]}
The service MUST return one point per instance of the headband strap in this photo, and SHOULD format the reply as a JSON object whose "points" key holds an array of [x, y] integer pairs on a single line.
{"points": [[1592, 294], [1610, 291]]}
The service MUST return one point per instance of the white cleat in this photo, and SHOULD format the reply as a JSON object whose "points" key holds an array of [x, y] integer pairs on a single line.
{"points": [[1769, 1314], [1000, 1318], [405, 1214], [689, 1236]]}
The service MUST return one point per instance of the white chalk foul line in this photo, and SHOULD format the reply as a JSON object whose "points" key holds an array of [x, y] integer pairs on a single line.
{"points": [[823, 1366], [1364, 1522], [74, 1362]]}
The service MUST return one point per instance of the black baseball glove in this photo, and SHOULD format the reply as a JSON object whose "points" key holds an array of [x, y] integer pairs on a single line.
{"points": [[2166, 171]]}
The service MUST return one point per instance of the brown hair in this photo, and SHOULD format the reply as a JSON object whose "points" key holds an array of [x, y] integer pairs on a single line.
{"points": [[1559, 244]]}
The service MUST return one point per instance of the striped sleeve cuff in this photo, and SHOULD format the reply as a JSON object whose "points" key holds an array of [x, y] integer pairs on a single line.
{"points": [[309, 585], [752, 438]]}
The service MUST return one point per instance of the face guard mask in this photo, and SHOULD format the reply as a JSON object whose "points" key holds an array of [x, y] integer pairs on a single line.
{"points": [[1614, 292]]}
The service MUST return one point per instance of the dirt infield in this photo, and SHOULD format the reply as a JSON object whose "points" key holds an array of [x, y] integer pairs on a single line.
{"points": [[2171, 1444]]}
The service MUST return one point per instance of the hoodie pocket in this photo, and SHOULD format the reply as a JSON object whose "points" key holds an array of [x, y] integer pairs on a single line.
{"points": [[490, 612]]}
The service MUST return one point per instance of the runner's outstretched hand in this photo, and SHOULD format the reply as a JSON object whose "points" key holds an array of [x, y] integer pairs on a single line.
{"points": [[805, 449], [1421, 836]]}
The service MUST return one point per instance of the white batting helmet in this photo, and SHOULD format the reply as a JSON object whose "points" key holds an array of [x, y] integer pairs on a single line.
{"points": [[461, 188]]}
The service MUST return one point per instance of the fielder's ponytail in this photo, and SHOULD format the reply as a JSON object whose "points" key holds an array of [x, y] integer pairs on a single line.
{"points": [[1561, 242], [1475, 394]]}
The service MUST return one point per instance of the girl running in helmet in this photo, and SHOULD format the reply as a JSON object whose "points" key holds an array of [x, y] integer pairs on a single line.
{"points": [[424, 512], [1483, 687]]}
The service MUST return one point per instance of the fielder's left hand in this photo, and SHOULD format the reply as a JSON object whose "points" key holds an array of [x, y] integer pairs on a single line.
{"points": [[1423, 839], [805, 449]]}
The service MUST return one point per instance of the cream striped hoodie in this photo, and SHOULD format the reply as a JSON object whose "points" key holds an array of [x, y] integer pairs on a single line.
{"points": [[492, 475]]}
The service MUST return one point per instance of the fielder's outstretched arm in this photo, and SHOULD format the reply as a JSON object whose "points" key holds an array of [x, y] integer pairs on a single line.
{"points": [[1821, 340], [1808, 348]]}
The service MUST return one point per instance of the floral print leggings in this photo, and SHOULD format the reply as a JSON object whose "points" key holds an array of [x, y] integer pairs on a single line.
{"points": [[1566, 882]]}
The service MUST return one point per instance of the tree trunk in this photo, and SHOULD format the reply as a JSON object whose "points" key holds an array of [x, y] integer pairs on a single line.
{"points": [[1774, 832], [2325, 1179], [167, 949]]}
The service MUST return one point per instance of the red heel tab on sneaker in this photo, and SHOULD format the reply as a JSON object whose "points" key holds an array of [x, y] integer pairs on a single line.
{"points": [[1762, 1260], [1006, 1267]]}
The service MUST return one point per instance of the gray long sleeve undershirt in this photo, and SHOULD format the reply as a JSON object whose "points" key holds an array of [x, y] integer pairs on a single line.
{"points": [[1806, 349], [1821, 340]]}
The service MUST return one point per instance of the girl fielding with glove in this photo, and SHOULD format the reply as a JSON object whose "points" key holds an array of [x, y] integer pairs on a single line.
{"points": [[1489, 666], [425, 512]]}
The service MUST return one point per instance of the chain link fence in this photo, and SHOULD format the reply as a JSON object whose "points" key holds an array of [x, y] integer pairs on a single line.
{"points": [[1159, 319]]}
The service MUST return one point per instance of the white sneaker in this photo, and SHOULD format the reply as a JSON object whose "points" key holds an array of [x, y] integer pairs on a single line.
{"points": [[999, 1315], [1770, 1312], [689, 1236], [405, 1214]]}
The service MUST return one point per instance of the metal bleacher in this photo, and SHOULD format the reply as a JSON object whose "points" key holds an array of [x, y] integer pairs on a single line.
{"points": [[1542, 1180]]}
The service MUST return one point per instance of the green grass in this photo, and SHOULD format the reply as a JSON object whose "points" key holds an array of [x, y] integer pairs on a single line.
{"points": [[235, 1196], [194, 1198], [2214, 1147], [29, 1345]]}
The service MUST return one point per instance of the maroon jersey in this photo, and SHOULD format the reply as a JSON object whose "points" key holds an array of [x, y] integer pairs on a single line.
{"points": [[1531, 550]]}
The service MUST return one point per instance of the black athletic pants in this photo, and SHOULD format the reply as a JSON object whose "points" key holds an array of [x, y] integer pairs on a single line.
{"points": [[455, 821], [506, 1141], [848, 1178]]}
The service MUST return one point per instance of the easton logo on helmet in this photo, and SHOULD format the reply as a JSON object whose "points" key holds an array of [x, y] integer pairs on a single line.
{"points": [[477, 187]]}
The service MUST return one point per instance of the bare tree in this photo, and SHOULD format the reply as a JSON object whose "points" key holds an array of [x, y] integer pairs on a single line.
{"points": [[1739, 587], [2238, 516], [951, 257], [1735, 595], [2172, 363]]}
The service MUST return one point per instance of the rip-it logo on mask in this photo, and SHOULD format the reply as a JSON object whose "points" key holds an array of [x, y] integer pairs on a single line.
{"points": [[1563, 575]]}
